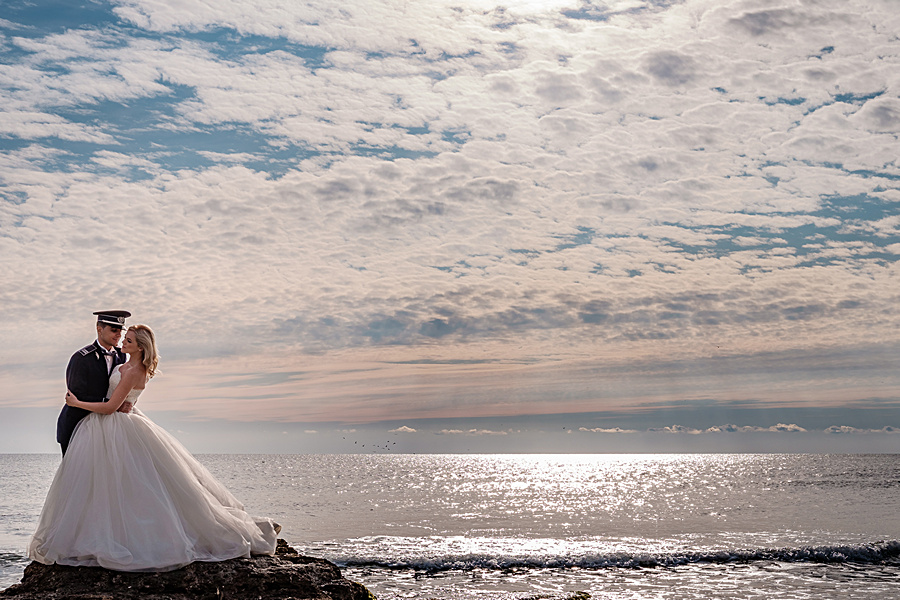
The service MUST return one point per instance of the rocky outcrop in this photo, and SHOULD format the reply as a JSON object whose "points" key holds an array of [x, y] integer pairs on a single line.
{"points": [[285, 576]]}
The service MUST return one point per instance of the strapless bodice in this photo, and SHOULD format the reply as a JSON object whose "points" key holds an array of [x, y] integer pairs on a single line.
{"points": [[114, 380]]}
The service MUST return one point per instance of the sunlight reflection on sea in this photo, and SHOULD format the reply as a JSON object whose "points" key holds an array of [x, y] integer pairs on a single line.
{"points": [[517, 526]]}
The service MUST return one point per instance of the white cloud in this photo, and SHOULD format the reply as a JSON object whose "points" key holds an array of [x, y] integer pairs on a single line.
{"points": [[780, 427], [846, 429], [657, 189], [403, 429], [34, 125], [881, 115], [786, 428], [604, 430], [676, 429], [230, 157], [471, 432]]}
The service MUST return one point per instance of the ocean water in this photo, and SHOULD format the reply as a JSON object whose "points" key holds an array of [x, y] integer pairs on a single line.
{"points": [[518, 527]]}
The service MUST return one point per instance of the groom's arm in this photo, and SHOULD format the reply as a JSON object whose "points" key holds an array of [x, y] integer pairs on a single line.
{"points": [[78, 378]]}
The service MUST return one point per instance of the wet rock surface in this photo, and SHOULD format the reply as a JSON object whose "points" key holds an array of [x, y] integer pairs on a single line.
{"points": [[285, 576]]}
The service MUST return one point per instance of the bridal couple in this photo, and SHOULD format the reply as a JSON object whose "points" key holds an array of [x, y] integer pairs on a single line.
{"points": [[127, 495]]}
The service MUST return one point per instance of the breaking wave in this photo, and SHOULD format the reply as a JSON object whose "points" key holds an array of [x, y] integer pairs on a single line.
{"points": [[874, 553]]}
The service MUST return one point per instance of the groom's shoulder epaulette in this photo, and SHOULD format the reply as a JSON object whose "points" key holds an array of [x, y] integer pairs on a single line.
{"points": [[87, 350]]}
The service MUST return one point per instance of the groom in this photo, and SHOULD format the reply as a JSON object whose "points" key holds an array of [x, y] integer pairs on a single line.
{"points": [[87, 375]]}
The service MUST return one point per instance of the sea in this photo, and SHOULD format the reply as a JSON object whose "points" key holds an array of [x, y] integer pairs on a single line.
{"points": [[578, 526]]}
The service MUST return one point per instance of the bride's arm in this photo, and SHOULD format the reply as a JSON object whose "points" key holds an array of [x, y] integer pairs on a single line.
{"points": [[128, 382]]}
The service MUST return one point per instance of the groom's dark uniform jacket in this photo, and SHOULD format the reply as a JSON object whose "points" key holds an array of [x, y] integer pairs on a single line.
{"points": [[87, 376]]}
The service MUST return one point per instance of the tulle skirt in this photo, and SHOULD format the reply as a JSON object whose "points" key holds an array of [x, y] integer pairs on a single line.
{"points": [[129, 497]]}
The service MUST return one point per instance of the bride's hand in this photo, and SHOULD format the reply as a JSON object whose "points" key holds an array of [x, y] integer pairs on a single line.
{"points": [[70, 398], [126, 407]]}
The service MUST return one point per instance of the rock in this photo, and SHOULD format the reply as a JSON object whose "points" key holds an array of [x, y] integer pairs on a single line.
{"points": [[285, 576]]}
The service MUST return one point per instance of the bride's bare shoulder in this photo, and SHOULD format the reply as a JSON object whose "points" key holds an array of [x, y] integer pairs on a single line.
{"points": [[134, 376]]}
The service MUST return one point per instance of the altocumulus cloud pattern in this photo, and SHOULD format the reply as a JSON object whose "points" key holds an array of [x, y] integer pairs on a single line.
{"points": [[564, 206]]}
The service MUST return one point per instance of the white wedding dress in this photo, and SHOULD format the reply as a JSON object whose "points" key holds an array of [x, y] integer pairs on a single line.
{"points": [[129, 497]]}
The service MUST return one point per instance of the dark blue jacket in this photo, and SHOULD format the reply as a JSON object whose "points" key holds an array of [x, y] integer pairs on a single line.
{"points": [[87, 378]]}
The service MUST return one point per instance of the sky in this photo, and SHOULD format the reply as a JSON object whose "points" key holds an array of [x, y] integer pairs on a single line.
{"points": [[460, 225]]}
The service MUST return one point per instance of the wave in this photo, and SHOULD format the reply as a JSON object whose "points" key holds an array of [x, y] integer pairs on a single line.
{"points": [[874, 553], [10, 558]]}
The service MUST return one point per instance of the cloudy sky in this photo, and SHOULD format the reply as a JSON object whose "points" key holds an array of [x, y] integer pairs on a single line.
{"points": [[460, 225]]}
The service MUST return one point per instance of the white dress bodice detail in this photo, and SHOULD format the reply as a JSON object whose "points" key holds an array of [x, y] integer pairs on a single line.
{"points": [[114, 379]]}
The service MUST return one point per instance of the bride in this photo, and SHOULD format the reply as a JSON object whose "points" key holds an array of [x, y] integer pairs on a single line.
{"points": [[129, 497]]}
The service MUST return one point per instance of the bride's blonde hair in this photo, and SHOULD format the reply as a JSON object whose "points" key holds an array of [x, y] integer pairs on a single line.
{"points": [[146, 341]]}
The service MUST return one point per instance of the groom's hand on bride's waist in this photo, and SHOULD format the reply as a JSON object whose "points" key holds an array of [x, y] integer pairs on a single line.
{"points": [[126, 407]]}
